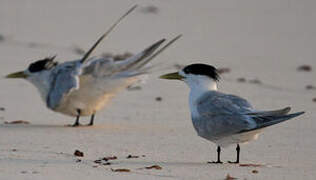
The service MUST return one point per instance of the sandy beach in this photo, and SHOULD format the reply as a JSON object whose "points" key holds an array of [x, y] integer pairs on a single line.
{"points": [[262, 43]]}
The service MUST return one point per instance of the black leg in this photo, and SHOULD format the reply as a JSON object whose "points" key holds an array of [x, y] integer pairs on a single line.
{"points": [[218, 156], [238, 152], [77, 119], [91, 120]]}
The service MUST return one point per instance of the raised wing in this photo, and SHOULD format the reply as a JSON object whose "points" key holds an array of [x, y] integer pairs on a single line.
{"points": [[64, 79], [132, 66], [222, 114]]}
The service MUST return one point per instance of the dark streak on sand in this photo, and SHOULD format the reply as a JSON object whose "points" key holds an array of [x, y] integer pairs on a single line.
{"points": [[17, 122]]}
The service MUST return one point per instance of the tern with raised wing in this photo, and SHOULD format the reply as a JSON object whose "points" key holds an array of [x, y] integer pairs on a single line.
{"points": [[84, 86]]}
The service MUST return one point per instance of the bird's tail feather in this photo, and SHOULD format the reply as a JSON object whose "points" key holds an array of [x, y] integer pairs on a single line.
{"points": [[265, 121], [132, 61], [283, 111], [135, 65]]}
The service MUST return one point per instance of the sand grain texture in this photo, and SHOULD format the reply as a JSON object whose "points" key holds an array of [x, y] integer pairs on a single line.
{"points": [[264, 40]]}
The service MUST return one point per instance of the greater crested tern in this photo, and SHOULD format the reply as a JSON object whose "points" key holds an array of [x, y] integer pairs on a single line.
{"points": [[84, 86], [224, 119]]}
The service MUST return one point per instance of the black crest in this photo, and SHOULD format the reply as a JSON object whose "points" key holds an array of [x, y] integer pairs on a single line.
{"points": [[43, 64], [202, 69]]}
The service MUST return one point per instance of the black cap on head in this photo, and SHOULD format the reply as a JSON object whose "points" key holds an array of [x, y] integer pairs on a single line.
{"points": [[202, 69], [43, 64]]}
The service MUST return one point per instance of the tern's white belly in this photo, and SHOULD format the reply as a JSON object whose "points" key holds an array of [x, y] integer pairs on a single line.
{"points": [[91, 96], [238, 138]]}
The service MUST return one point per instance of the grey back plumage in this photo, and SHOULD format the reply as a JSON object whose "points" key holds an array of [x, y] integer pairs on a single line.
{"points": [[222, 115]]}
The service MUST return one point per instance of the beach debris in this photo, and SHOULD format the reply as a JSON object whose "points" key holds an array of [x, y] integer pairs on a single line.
{"points": [[78, 153], [178, 66], [158, 99], [2, 38], [255, 171], [314, 99], [254, 81], [310, 87], [16, 122], [98, 161], [133, 88], [121, 170], [241, 79], [151, 9], [223, 70], [109, 158], [79, 50], [154, 167], [228, 177], [250, 165], [2, 109], [23, 172], [131, 157], [33, 45], [104, 160], [13, 150], [306, 68]]}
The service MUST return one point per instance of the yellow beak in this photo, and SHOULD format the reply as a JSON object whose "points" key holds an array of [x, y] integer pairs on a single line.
{"points": [[19, 74], [174, 75]]}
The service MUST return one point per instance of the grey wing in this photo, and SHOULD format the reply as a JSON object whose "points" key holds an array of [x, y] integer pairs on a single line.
{"points": [[221, 114], [132, 66], [267, 118], [63, 81]]}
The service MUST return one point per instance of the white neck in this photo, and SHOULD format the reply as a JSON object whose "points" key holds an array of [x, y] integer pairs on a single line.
{"points": [[42, 83], [198, 86]]}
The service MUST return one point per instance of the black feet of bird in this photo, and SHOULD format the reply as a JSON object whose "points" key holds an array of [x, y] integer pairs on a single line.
{"points": [[219, 156], [77, 124]]}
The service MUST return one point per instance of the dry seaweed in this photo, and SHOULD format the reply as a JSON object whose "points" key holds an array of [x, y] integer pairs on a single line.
{"points": [[241, 79], [228, 177], [17, 122], [131, 157], [121, 170], [223, 70], [250, 165], [255, 171], [154, 167], [78, 153], [306, 68], [109, 158], [310, 87], [151, 9]]}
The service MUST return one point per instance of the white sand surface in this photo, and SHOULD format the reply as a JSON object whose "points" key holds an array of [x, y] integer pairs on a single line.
{"points": [[265, 40]]}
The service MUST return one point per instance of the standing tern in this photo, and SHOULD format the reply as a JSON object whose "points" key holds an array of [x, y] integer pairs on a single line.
{"points": [[84, 86], [223, 118]]}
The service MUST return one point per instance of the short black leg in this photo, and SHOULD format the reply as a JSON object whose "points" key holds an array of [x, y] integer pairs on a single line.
{"points": [[77, 119], [91, 120], [218, 156], [238, 152]]}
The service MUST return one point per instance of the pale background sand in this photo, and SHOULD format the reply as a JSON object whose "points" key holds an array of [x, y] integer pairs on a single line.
{"points": [[266, 40]]}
